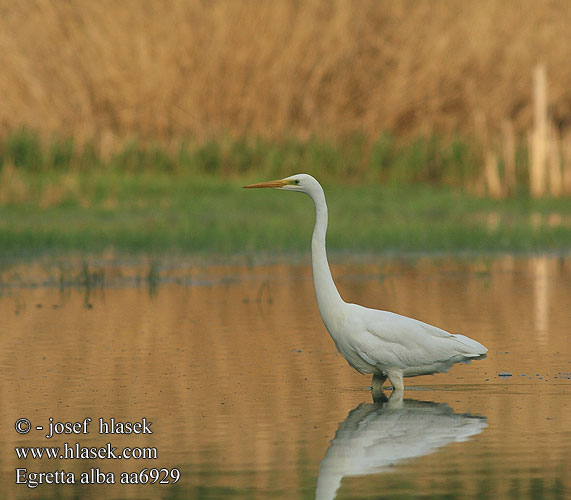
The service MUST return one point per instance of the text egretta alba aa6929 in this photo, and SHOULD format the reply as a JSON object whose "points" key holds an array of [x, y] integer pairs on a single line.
{"points": [[372, 341]]}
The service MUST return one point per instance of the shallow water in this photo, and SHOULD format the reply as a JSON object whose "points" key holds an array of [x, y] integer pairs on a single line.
{"points": [[249, 399]]}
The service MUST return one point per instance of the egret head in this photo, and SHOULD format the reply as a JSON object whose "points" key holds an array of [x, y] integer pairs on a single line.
{"points": [[303, 183]]}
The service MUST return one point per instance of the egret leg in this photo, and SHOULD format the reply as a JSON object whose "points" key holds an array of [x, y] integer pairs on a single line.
{"points": [[377, 388], [396, 400], [396, 381]]}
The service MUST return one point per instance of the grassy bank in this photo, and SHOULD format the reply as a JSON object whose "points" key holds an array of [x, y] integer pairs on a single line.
{"points": [[187, 198], [27, 162], [161, 213]]}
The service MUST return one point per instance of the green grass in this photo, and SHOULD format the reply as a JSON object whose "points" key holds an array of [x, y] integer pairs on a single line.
{"points": [[433, 160], [160, 213], [384, 197]]}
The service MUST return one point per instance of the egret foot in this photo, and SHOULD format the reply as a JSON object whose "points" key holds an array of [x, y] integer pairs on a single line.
{"points": [[377, 388], [396, 381], [396, 400]]}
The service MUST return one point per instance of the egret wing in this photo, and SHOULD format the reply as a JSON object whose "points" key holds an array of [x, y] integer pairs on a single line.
{"points": [[382, 338]]}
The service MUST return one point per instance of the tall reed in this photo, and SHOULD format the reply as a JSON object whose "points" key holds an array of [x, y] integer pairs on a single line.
{"points": [[230, 87], [548, 163], [106, 71]]}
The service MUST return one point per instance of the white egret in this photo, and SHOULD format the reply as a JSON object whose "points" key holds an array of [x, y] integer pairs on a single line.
{"points": [[381, 343]]}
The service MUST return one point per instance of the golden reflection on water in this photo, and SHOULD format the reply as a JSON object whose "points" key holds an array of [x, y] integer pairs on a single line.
{"points": [[245, 389]]}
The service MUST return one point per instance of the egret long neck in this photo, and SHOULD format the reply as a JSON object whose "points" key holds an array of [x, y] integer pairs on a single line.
{"points": [[328, 298]]}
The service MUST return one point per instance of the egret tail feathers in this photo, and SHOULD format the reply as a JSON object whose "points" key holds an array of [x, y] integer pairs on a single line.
{"points": [[474, 348]]}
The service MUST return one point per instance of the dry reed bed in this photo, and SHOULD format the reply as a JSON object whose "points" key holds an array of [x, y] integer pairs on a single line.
{"points": [[317, 67], [548, 151], [105, 71]]}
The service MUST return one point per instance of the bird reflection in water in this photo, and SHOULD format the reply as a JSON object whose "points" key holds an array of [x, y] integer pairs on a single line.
{"points": [[376, 436]]}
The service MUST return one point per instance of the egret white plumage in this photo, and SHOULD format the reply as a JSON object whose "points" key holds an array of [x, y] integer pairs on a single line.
{"points": [[376, 342]]}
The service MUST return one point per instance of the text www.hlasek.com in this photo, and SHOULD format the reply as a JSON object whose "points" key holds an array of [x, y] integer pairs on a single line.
{"points": [[93, 476], [82, 452], [75, 451]]}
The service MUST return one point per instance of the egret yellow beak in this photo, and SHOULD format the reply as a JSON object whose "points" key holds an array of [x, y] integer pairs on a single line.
{"points": [[270, 184]]}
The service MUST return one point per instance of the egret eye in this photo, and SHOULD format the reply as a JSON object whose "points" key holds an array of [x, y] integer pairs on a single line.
{"points": [[297, 181]]}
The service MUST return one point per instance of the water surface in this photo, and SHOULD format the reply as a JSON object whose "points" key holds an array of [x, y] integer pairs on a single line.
{"points": [[249, 399]]}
